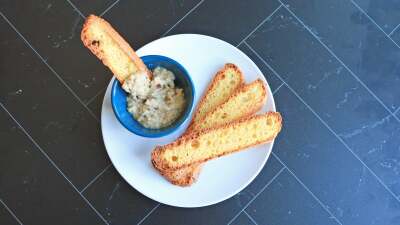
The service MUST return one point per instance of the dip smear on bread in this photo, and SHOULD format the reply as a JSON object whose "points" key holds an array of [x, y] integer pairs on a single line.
{"points": [[153, 99], [154, 103]]}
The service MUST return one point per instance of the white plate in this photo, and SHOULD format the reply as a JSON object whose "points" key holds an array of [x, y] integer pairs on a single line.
{"points": [[220, 179]]}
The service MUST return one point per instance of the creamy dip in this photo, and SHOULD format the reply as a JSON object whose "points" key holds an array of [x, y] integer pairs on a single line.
{"points": [[154, 103]]}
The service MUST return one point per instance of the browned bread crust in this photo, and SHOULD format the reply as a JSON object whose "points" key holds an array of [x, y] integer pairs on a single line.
{"points": [[217, 78], [97, 48], [159, 152], [181, 177], [188, 175], [252, 109]]}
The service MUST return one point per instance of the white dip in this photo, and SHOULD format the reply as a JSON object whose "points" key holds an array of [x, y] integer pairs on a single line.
{"points": [[155, 103]]}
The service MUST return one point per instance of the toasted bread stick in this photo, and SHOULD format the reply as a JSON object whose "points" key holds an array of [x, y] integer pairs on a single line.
{"points": [[105, 42], [204, 145]]}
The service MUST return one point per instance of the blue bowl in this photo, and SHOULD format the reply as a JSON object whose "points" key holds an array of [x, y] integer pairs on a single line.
{"points": [[182, 80]]}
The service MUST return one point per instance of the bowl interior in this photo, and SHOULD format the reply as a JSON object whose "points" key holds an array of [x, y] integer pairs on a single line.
{"points": [[182, 80]]}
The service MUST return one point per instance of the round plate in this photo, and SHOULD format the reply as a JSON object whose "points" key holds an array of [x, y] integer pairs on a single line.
{"points": [[221, 178]]}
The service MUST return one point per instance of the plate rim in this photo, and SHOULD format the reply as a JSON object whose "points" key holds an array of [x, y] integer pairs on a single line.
{"points": [[244, 185]]}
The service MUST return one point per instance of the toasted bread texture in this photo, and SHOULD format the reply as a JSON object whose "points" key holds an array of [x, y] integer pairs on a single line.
{"points": [[225, 82], [104, 42], [182, 177], [204, 145], [244, 102]]}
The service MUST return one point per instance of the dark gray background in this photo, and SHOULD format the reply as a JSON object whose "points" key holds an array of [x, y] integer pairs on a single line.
{"points": [[333, 67]]}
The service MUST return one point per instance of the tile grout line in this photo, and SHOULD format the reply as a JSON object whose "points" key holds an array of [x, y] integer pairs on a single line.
{"points": [[358, 79], [187, 14], [397, 110], [76, 9], [108, 8], [49, 67], [373, 21], [94, 209], [198, 4], [148, 214], [324, 123], [260, 24], [95, 178], [50, 160], [308, 190], [96, 95], [255, 196], [340, 61], [395, 29], [35, 143], [89, 101], [92, 98], [304, 186], [277, 89], [250, 217], [32, 140], [11, 212], [345, 145], [366, 14]]}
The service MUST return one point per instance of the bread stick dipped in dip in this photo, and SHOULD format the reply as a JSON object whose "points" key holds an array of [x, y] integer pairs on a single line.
{"points": [[153, 100]]}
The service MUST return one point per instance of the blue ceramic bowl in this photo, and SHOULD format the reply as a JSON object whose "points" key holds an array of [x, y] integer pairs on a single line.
{"points": [[182, 80]]}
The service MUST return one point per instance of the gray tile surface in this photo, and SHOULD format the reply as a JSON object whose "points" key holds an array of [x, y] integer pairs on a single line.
{"points": [[358, 42], [116, 200], [231, 21], [7, 217], [287, 202], [63, 127], [243, 219], [55, 34], [30, 185], [331, 91], [93, 7], [330, 171], [384, 13], [334, 69], [149, 19]]}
